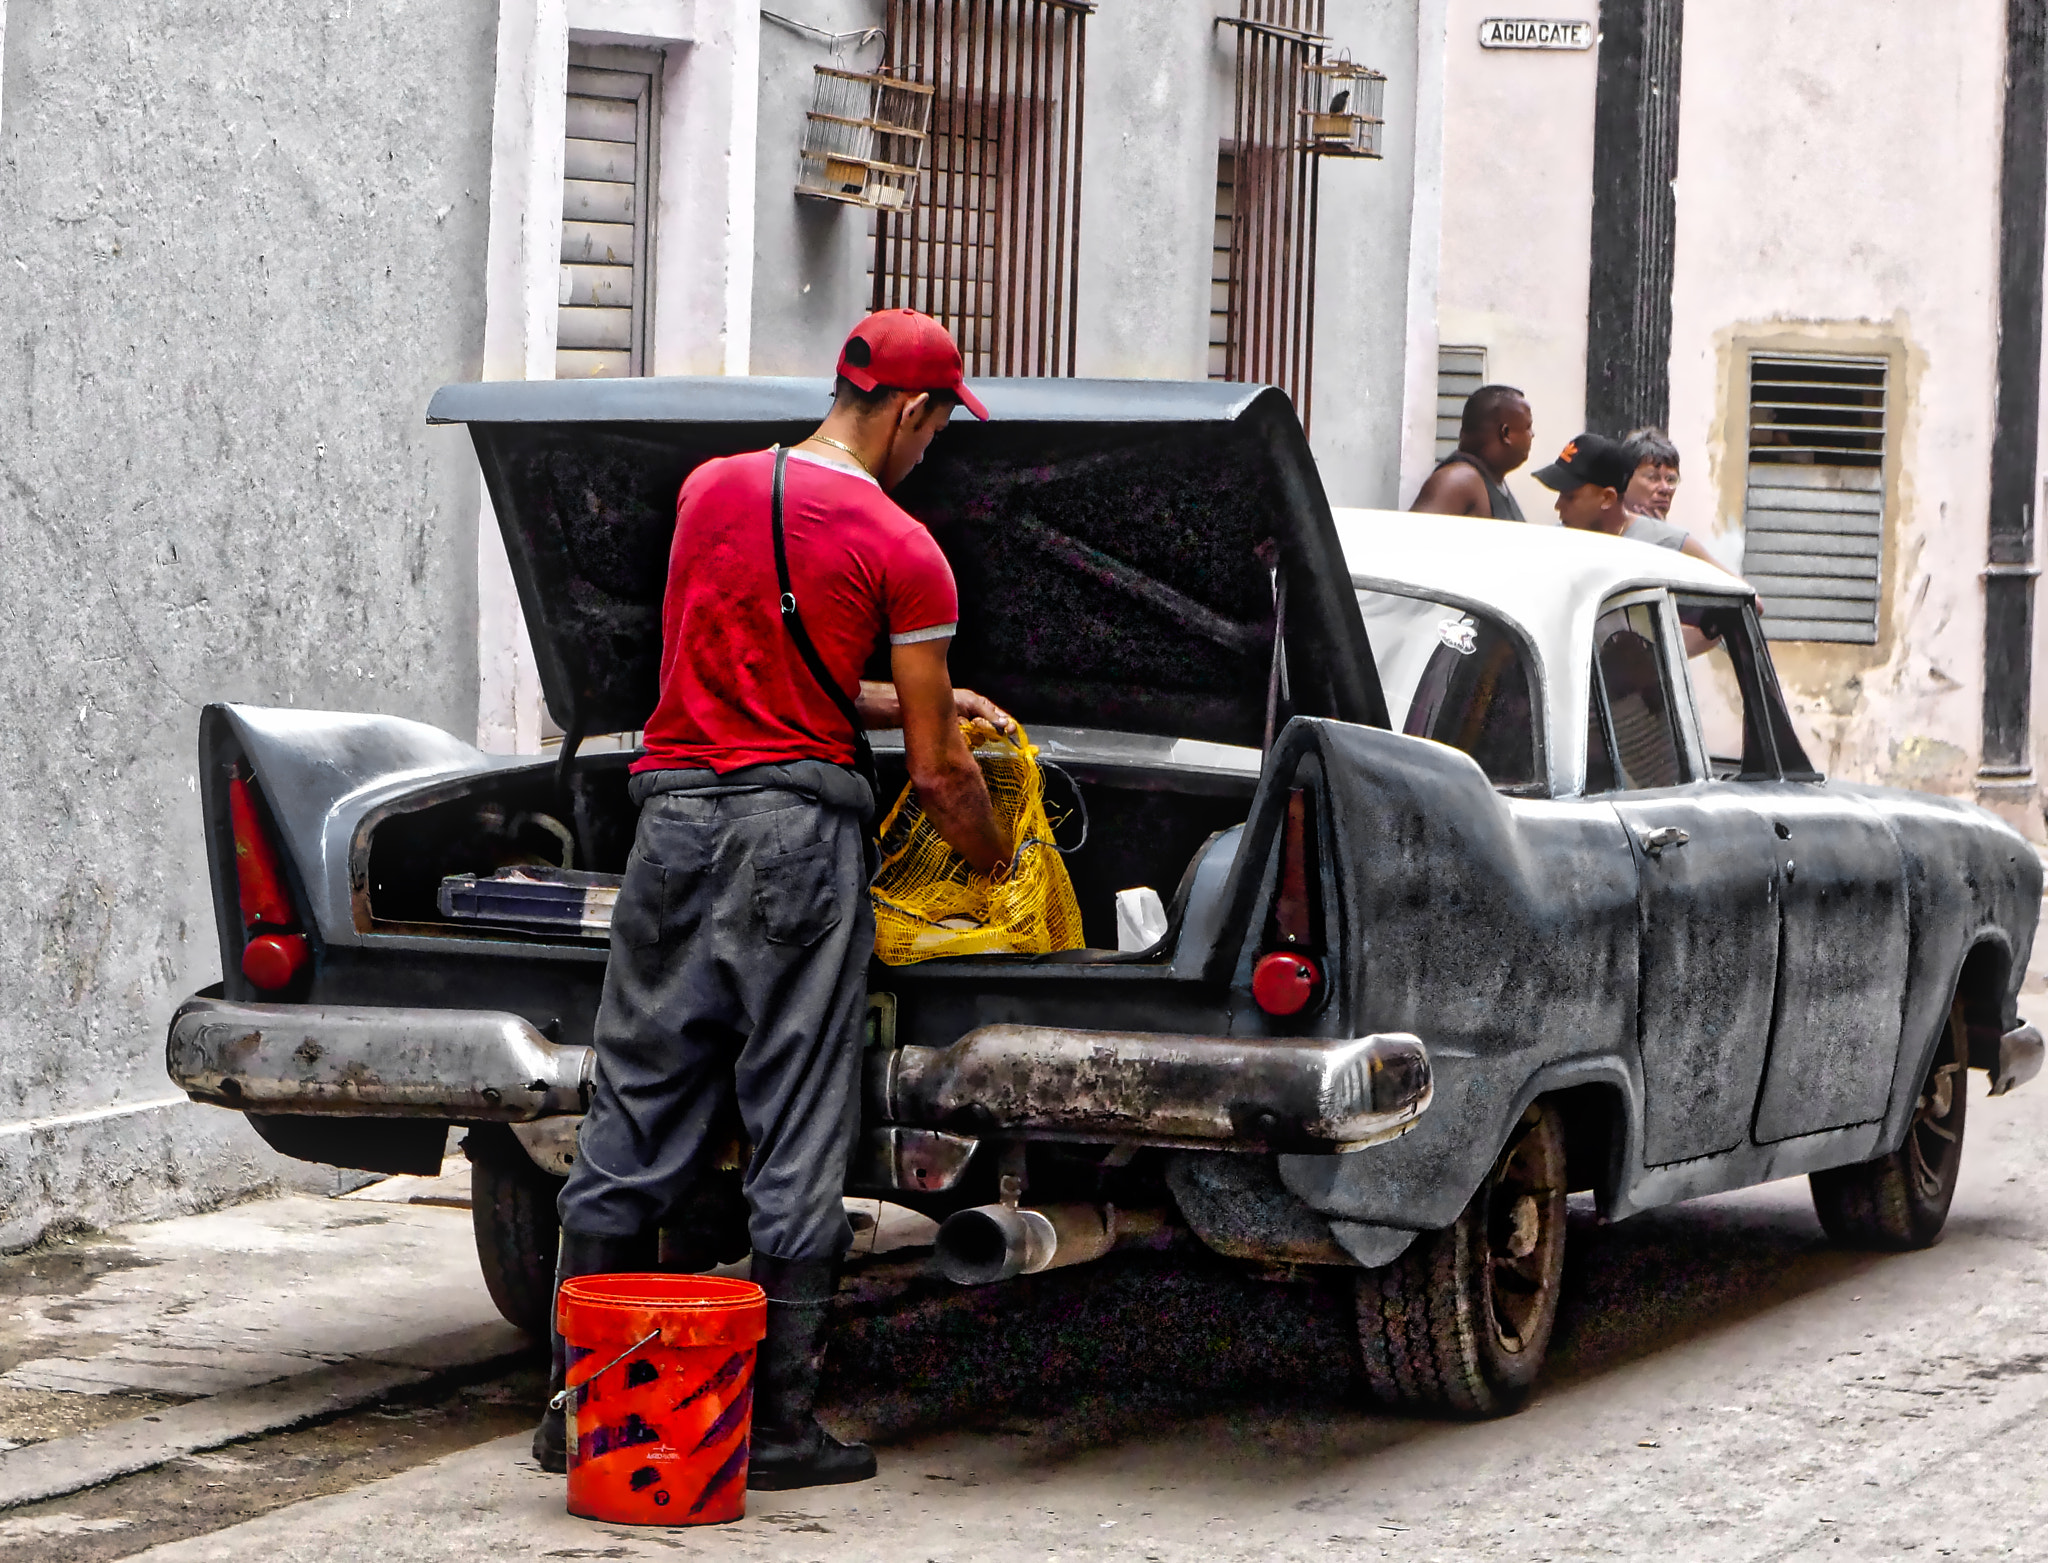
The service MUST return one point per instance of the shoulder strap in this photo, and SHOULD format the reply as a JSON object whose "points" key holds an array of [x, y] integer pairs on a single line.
{"points": [[793, 621]]}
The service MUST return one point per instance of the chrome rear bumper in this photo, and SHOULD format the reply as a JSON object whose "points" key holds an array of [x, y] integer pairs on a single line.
{"points": [[1306, 1094], [460, 1064]]}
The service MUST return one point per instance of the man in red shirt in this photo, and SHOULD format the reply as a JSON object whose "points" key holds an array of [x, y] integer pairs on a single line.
{"points": [[742, 933]]}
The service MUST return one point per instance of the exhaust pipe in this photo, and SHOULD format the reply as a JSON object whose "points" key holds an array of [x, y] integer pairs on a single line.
{"points": [[991, 1243]]}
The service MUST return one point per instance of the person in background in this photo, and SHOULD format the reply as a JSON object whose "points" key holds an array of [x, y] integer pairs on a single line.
{"points": [[1655, 479], [1591, 475], [1493, 439]]}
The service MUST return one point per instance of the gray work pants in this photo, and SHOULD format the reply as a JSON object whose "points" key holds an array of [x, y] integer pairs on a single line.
{"points": [[739, 953]]}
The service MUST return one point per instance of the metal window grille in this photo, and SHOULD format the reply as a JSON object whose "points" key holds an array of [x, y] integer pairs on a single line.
{"points": [[991, 245], [1459, 372], [1813, 510], [1270, 328], [602, 309]]}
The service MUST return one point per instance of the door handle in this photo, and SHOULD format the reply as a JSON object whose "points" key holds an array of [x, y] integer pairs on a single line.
{"points": [[1655, 841]]}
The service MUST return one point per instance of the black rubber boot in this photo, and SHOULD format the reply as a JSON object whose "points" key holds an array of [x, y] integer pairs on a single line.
{"points": [[581, 1253], [789, 1448]]}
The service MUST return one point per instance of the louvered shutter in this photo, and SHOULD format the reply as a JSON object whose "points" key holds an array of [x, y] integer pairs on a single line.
{"points": [[602, 316], [1459, 372], [1813, 509], [1219, 266]]}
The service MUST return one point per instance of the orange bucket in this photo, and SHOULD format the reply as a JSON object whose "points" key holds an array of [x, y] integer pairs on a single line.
{"points": [[660, 1395]]}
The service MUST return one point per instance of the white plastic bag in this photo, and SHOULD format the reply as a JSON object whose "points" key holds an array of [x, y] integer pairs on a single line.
{"points": [[1140, 919]]}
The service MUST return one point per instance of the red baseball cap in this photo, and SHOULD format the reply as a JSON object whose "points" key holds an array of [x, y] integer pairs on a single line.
{"points": [[906, 351]]}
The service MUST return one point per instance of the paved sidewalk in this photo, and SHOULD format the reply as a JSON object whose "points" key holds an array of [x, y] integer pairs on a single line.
{"points": [[123, 1349]]}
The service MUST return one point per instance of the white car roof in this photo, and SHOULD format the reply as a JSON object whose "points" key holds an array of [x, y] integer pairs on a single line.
{"points": [[1546, 581]]}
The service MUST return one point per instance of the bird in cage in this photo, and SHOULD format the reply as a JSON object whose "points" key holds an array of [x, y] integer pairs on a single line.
{"points": [[1341, 102]]}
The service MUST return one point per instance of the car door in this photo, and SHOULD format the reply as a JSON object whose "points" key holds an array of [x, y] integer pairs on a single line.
{"points": [[1843, 928], [1706, 869]]}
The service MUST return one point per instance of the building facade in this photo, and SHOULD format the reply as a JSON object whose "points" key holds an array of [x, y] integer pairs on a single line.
{"points": [[1841, 332], [242, 250]]}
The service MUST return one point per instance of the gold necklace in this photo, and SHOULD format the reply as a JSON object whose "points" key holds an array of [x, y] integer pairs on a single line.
{"points": [[826, 439]]}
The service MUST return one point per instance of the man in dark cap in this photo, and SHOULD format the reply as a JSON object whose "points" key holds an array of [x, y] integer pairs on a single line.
{"points": [[1493, 441], [1591, 476]]}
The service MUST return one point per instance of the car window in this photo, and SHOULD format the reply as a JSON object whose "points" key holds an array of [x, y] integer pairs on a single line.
{"points": [[1633, 697], [1793, 763], [1599, 758], [1462, 679], [1720, 670]]}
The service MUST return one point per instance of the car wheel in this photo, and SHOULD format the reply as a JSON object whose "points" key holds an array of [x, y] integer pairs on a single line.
{"points": [[1900, 1200], [512, 1207], [1461, 1321]]}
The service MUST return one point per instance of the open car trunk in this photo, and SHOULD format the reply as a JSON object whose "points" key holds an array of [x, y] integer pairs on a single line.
{"points": [[1129, 812]]}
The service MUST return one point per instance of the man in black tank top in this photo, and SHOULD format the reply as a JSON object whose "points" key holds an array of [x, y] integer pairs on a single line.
{"points": [[1493, 440]]}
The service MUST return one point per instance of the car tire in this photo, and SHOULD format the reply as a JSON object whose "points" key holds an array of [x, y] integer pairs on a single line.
{"points": [[512, 1207], [1900, 1200], [1461, 1322]]}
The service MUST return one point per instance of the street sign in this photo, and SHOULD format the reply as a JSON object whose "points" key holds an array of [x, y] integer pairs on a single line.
{"points": [[1500, 32]]}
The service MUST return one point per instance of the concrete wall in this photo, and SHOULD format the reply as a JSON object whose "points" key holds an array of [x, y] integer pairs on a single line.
{"points": [[1838, 188], [1159, 105], [242, 247], [811, 281], [1371, 251], [1517, 221]]}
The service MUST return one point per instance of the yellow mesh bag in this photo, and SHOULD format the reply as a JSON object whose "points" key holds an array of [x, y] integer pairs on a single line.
{"points": [[928, 902]]}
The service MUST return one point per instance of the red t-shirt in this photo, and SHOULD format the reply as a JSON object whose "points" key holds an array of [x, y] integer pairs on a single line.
{"points": [[734, 689]]}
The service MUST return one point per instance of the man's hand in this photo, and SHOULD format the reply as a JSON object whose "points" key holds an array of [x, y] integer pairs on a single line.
{"points": [[971, 707], [879, 706], [949, 784]]}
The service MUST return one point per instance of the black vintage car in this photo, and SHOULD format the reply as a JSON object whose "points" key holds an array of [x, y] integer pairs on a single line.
{"points": [[1579, 915]]}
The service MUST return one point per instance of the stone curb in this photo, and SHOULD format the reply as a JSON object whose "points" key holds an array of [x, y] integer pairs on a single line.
{"points": [[61, 1466]]}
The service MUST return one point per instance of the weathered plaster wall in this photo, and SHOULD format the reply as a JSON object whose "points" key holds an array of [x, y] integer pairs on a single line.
{"points": [[238, 250], [1159, 103], [811, 283], [1846, 196], [1517, 220], [1367, 224]]}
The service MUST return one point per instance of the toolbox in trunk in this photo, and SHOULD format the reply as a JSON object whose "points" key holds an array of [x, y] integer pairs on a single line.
{"points": [[552, 900]]}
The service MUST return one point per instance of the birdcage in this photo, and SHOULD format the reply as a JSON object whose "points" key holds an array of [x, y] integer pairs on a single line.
{"points": [[864, 139], [1349, 106]]}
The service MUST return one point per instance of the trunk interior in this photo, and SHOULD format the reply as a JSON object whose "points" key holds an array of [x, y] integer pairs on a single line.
{"points": [[1136, 823]]}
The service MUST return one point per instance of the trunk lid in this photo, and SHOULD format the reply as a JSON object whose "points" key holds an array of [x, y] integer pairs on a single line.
{"points": [[1113, 542]]}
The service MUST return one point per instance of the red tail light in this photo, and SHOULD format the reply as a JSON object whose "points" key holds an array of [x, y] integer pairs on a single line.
{"points": [[1284, 983], [256, 867], [272, 960], [1289, 979], [274, 955]]}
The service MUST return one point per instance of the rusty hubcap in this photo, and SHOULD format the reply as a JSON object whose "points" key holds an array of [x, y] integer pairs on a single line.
{"points": [[1521, 1230], [1930, 1143]]}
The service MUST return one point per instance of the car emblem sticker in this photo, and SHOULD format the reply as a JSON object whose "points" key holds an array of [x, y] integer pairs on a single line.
{"points": [[1460, 634]]}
